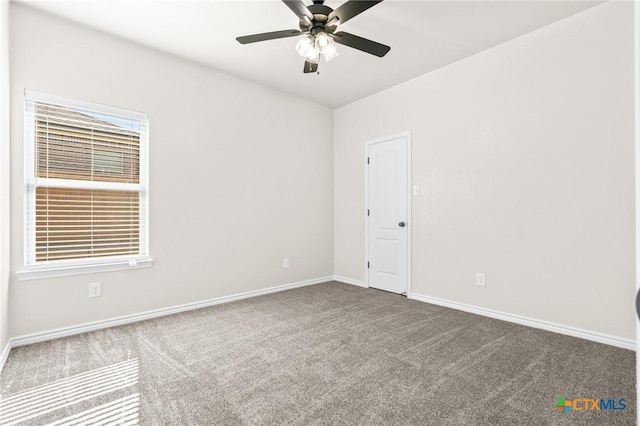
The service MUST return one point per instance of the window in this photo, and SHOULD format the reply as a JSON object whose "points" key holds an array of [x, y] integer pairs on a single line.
{"points": [[86, 191]]}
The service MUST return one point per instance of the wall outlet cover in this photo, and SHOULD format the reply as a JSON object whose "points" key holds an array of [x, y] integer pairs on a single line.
{"points": [[95, 290]]}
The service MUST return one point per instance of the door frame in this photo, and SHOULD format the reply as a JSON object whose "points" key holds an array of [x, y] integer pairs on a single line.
{"points": [[368, 143]]}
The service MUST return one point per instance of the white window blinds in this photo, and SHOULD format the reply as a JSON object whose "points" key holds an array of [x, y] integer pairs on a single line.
{"points": [[86, 183]]}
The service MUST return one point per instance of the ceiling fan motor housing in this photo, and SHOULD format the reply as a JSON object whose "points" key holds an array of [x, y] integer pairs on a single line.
{"points": [[320, 17]]}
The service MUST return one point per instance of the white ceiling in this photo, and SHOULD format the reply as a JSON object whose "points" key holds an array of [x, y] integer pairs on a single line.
{"points": [[423, 35]]}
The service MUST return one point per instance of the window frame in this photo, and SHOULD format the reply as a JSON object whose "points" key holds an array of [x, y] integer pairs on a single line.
{"points": [[33, 269]]}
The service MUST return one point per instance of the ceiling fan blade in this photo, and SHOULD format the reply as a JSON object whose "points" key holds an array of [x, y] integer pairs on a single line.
{"points": [[310, 67], [299, 9], [268, 36], [350, 9], [360, 43]]}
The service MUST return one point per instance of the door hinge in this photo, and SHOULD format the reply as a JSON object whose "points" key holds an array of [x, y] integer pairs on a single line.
{"points": [[367, 160], [367, 212], [367, 265]]}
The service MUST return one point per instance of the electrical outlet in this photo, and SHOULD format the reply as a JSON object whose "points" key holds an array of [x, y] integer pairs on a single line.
{"points": [[481, 279], [95, 290], [285, 263]]}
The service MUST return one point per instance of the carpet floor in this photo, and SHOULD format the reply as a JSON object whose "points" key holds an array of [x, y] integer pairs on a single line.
{"points": [[325, 354]]}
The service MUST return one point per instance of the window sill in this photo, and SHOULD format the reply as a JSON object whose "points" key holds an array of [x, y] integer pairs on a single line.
{"points": [[36, 274]]}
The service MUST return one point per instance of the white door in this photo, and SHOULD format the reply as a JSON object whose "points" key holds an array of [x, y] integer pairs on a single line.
{"points": [[387, 220]]}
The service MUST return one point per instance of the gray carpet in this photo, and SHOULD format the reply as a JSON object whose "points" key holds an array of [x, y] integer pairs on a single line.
{"points": [[325, 354]]}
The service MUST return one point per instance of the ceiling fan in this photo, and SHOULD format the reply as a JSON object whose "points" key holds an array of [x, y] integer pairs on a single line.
{"points": [[318, 24]]}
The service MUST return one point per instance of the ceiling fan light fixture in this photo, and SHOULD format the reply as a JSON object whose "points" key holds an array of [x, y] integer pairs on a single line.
{"points": [[311, 47], [322, 40], [330, 51], [313, 55], [304, 45]]}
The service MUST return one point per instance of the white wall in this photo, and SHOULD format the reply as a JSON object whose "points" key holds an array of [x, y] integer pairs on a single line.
{"points": [[4, 175], [525, 153], [237, 181]]}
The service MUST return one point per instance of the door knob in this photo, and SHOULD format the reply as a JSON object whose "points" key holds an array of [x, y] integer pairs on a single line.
{"points": [[401, 224]]}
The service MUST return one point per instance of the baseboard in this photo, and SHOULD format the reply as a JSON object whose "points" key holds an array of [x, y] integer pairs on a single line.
{"points": [[350, 281], [5, 354], [530, 322], [128, 319]]}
